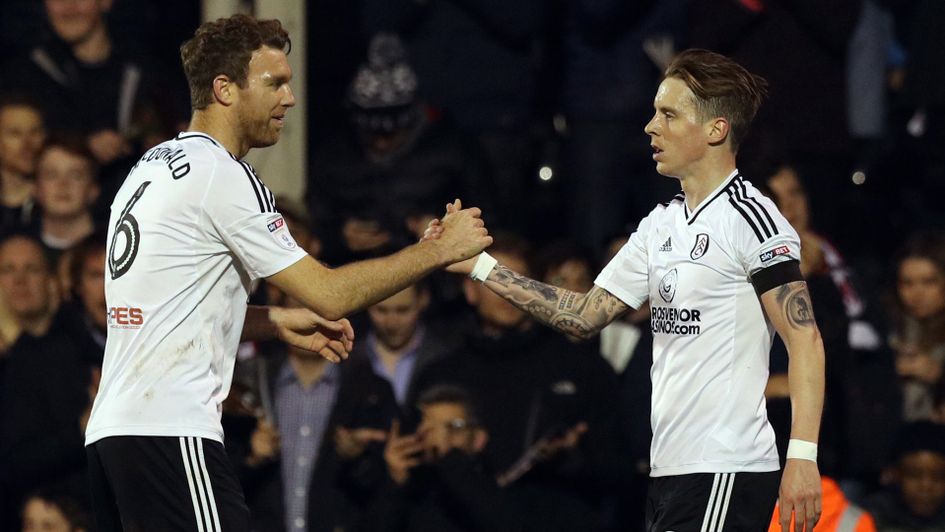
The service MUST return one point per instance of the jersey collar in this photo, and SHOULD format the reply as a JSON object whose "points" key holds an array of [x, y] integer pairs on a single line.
{"points": [[691, 216], [184, 135]]}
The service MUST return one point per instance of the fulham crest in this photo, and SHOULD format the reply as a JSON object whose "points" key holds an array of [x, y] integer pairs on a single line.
{"points": [[702, 245]]}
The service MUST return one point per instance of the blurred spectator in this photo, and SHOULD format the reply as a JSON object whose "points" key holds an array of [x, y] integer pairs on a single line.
{"points": [[49, 511], [87, 85], [311, 461], [790, 43], [918, 336], [27, 283], [47, 389], [86, 315], [477, 60], [837, 514], [439, 481], [914, 500], [378, 184], [532, 385], [66, 188], [400, 344], [21, 137]]}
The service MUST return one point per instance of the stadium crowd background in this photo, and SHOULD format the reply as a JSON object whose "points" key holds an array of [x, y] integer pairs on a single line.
{"points": [[533, 111]]}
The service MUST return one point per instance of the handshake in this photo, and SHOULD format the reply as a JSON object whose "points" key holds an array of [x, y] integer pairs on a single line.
{"points": [[459, 236], [454, 241]]}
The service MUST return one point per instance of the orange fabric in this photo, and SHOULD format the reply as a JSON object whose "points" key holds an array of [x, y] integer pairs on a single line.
{"points": [[834, 504]]}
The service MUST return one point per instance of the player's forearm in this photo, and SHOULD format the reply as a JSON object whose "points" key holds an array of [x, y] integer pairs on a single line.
{"points": [[790, 309], [356, 286], [560, 309], [806, 383]]}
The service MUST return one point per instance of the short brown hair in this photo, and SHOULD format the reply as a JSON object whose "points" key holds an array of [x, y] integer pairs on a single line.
{"points": [[722, 88], [20, 100], [78, 255], [75, 145], [225, 46]]}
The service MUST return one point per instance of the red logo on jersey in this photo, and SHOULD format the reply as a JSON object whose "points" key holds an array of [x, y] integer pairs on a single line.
{"points": [[125, 317]]}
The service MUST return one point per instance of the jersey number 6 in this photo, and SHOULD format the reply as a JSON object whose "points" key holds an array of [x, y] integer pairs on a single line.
{"points": [[120, 261]]}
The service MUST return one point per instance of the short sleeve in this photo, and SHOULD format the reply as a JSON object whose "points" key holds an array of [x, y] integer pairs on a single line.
{"points": [[625, 276], [761, 236], [243, 212]]}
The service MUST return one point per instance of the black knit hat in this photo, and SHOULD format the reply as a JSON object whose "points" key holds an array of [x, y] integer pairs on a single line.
{"points": [[383, 93]]}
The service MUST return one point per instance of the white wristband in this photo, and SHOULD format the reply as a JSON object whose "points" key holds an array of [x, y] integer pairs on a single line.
{"points": [[484, 265], [802, 450]]}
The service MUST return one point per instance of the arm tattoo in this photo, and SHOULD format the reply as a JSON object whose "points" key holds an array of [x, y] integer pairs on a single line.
{"points": [[507, 276], [796, 305], [580, 315]]}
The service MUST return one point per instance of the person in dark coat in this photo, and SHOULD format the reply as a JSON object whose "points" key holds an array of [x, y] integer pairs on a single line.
{"points": [[309, 451]]}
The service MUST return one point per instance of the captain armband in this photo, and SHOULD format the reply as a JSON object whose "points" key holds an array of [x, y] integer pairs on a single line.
{"points": [[774, 276]]}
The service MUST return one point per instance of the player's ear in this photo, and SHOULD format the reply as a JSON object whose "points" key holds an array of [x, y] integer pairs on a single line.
{"points": [[224, 90], [718, 130]]}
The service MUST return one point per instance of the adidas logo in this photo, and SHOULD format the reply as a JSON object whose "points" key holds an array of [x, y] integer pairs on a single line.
{"points": [[668, 245]]}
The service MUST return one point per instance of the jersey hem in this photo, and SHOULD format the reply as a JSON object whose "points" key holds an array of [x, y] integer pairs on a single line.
{"points": [[761, 466], [152, 430]]}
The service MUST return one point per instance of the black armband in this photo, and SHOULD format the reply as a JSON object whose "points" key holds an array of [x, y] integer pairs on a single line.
{"points": [[781, 273]]}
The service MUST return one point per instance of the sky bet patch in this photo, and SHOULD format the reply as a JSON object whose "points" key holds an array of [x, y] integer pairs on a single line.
{"points": [[768, 255], [280, 233], [276, 224]]}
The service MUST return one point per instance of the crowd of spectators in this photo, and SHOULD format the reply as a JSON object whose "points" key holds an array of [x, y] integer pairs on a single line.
{"points": [[456, 411]]}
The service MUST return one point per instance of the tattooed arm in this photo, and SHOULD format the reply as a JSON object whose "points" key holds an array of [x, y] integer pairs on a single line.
{"points": [[580, 315], [789, 308]]}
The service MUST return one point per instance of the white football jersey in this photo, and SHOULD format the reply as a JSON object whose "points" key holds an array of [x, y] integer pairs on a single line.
{"points": [[191, 231], [711, 339]]}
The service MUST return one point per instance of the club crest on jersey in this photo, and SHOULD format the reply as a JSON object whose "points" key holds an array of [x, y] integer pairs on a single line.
{"points": [[702, 245], [667, 286], [770, 254]]}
